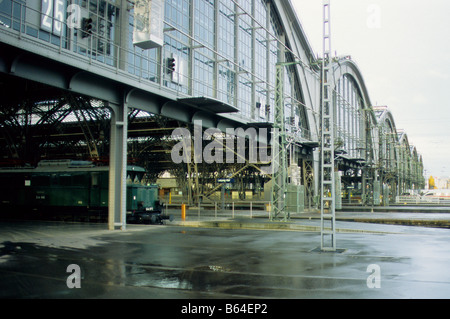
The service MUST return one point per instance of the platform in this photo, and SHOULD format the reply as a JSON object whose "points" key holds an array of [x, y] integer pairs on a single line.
{"points": [[224, 258]]}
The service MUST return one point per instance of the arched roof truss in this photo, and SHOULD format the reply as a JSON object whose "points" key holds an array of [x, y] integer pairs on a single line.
{"points": [[387, 139], [352, 113]]}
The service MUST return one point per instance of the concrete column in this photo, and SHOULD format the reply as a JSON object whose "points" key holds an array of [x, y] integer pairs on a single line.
{"points": [[118, 167]]}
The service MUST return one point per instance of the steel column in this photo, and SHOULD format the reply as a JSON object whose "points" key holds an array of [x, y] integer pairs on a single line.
{"points": [[279, 152], [327, 184], [118, 167]]}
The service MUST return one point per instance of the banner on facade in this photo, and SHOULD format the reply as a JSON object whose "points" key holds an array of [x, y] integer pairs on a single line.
{"points": [[148, 24]]}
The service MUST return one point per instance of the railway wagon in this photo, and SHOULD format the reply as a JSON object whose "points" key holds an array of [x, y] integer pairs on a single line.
{"points": [[74, 190]]}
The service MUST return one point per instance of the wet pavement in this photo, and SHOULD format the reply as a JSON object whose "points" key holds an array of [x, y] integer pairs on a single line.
{"points": [[190, 260]]}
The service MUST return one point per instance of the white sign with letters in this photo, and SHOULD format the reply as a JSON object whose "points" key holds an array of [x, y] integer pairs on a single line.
{"points": [[53, 16]]}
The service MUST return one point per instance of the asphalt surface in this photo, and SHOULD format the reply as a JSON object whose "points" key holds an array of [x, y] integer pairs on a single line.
{"points": [[218, 257]]}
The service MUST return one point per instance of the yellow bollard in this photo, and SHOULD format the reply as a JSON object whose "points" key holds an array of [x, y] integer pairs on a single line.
{"points": [[183, 212]]}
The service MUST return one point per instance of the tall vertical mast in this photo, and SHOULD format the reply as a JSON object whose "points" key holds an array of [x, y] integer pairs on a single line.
{"points": [[327, 185]]}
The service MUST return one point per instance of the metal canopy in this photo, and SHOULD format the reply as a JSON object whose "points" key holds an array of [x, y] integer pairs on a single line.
{"points": [[209, 104], [261, 124]]}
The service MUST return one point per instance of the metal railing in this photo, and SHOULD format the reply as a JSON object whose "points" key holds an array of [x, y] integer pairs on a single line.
{"points": [[215, 210], [423, 200]]}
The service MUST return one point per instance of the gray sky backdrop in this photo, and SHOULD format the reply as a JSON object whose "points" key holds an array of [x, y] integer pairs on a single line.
{"points": [[403, 51]]}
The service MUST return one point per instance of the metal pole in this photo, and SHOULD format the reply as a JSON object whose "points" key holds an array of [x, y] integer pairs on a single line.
{"points": [[183, 212], [327, 178], [232, 205], [118, 167], [279, 160]]}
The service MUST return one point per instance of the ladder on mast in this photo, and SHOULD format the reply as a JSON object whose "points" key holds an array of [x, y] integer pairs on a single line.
{"points": [[327, 167], [279, 151]]}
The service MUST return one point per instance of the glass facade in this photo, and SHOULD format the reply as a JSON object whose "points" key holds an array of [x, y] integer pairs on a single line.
{"points": [[231, 48], [224, 49], [349, 118]]}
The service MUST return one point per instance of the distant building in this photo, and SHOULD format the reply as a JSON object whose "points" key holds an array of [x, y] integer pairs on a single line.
{"points": [[442, 182]]}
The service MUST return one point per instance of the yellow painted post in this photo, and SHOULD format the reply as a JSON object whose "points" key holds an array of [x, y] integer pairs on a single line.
{"points": [[183, 212]]}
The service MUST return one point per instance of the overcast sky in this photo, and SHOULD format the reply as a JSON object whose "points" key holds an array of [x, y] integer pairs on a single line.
{"points": [[402, 48]]}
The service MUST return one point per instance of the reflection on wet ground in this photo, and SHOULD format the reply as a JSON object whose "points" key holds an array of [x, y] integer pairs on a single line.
{"points": [[177, 262]]}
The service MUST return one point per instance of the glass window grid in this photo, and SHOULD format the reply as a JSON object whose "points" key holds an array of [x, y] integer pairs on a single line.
{"points": [[204, 23], [226, 83], [245, 95], [215, 66], [177, 13], [226, 31], [349, 121], [203, 69]]}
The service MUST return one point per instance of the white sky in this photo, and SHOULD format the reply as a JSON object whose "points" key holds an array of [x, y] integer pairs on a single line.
{"points": [[402, 48]]}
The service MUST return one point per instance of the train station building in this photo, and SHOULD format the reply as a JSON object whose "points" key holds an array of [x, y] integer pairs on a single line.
{"points": [[137, 82]]}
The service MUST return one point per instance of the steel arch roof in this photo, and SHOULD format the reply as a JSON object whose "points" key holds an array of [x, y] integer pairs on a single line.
{"points": [[385, 115]]}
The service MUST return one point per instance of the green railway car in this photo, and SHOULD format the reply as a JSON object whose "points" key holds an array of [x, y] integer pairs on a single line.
{"points": [[77, 190]]}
